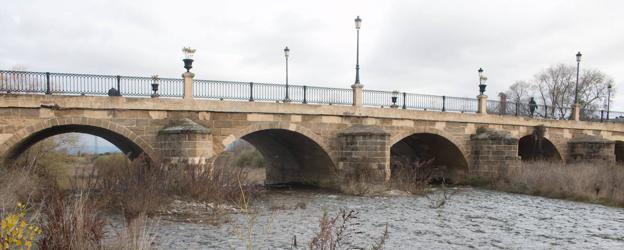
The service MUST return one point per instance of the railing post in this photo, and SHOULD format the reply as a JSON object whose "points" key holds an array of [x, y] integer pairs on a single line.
{"points": [[404, 100], [119, 85], [482, 104], [357, 94], [48, 90], [251, 92], [305, 91], [576, 112], [188, 85], [443, 103], [601, 115]]}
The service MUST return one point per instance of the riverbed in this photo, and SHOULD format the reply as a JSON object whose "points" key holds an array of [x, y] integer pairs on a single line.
{"points": [[470, 219]]}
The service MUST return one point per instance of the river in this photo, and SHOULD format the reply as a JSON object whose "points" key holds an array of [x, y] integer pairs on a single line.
{"points": [[471, 218]]}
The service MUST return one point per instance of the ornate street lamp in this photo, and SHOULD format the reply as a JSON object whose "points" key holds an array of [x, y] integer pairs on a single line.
{"points": [[188, 57], [608, 99], [482, 80], [155, 85], [578, 65], [286, 54], [358, 24]]}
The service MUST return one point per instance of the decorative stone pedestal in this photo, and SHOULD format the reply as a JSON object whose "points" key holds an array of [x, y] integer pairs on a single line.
{"points": [[185, 142], [358, 94]]}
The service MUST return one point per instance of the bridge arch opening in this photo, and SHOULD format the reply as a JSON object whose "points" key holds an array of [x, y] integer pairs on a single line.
{"points": [[124, 144], [619, 152], [532, 148], [430, 154], [291, 158]]}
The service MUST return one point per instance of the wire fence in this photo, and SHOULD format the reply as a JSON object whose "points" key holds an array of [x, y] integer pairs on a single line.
{"points": [[24, 82]]}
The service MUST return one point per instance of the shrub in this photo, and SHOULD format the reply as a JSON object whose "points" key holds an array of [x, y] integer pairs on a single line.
{"points": [[71, 222], [336, 232], [414, 177], [130, 188], [16, 231]]}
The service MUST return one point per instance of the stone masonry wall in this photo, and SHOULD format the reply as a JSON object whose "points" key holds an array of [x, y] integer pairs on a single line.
{"points": [[594, 149], [362, 156], [492, 153]]}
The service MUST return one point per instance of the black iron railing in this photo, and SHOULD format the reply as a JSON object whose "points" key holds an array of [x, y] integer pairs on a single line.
{"points": [[253, 91], [525, 109], [405, 100], [84, 84], [23, 82]]}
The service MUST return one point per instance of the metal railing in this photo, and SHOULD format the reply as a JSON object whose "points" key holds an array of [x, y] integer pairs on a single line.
{"points": [[524, 109], [270, 92], [85, 84], [23, 82], [405, 100]]}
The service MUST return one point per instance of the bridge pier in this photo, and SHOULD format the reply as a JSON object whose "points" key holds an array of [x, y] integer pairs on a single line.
{"points": [[591, 149], [363, 158], [493, 152], [184, 142]]}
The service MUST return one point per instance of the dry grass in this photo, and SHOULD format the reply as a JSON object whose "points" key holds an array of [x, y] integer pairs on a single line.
{"points": [[135, 236], [18, 186], [219, 185], [335, 232], [414, 177], [70, 222], [131, 188], [583, 182], [141, 188]]}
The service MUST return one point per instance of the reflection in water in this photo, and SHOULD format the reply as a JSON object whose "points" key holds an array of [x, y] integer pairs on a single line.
{"points": [[471, 219]]}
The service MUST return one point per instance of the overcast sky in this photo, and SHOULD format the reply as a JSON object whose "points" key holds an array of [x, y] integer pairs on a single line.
{"points": [[432, 47]]}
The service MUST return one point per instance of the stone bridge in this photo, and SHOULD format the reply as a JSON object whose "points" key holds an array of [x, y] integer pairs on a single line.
{"points": [[324, 145]]}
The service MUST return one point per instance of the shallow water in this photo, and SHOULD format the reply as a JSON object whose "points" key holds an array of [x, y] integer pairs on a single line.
{"points": [[472, 218]]}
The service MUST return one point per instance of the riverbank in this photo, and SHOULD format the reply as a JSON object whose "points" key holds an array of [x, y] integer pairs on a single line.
{"points": [[591, 183]]}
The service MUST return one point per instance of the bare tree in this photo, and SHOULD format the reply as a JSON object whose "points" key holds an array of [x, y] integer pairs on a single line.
{"points": [[519, 91], [555, 87]]}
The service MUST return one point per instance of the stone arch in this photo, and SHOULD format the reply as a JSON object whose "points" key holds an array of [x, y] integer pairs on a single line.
{"points": [[405, 133], [122, 137], [619, 151], [446, 152], [275, 125], [529, 149], [294, 154], [559, 150]]}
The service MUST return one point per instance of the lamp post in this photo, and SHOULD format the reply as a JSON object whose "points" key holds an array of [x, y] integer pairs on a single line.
{"points": [[608, 99], [286, 53], [358, 24], [578, 65], [155, 86], [482, 80]]}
